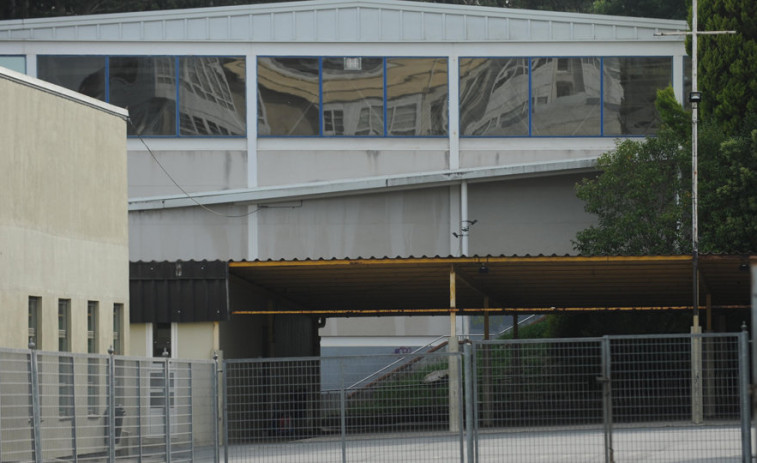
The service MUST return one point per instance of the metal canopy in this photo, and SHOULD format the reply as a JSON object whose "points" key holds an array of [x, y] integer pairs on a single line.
{"points": [[374, 286]]}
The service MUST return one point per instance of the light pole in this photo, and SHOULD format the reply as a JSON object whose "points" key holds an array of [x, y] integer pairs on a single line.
{"points": [[695, 97]]}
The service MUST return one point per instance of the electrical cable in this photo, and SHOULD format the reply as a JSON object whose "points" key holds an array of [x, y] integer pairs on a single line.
{"points": [[185, 192]]}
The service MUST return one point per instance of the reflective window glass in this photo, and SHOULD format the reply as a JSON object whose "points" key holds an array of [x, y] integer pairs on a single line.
{"points": [[212, 96], [494, 96], [146, 86], [353, 93], [630, 90], [416, 96], [14, 63], [83, 74], [288, 96], [565, 96]]}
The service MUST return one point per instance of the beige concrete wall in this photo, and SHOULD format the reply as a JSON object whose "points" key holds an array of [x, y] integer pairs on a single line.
{"points": [[196, 340], [63, 218]]}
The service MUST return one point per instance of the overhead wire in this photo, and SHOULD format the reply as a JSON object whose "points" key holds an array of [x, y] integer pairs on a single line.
{"points": [[184, 191]]}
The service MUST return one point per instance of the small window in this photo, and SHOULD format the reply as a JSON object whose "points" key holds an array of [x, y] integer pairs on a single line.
{"points": [[118, 314], [35, 306], [64, 325]]}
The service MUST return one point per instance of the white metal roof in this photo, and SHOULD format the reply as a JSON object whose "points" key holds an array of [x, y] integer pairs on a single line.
{"points": [[61, 92], [341, 21]]}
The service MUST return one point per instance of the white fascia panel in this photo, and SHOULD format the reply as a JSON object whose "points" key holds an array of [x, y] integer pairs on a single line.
{"points": [[433, 26], [305, 26], [476, 29], [390, 26], [347, 25], [361, 186]]}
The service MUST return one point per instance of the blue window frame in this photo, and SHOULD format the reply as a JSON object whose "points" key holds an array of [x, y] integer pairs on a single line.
{"points": [[167, 96], [352, 96], [560, 96]]}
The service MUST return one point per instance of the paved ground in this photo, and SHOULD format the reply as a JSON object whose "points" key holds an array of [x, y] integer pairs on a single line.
{"points": [[674, 444]]}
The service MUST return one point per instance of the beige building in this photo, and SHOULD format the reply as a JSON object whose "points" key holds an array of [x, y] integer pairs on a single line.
{"points": [[64, 250]]}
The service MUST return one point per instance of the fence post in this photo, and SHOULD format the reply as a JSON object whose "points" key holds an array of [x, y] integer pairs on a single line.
{"points": [[697, 404], [745, 406], [470, 404], [605, 380], [214, 379], [167, 392], [343, 411], [224, 408], [111, 406], [36, 414]]}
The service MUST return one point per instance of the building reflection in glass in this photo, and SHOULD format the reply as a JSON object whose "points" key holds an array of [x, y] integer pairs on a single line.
{"points": [[83, 74], [353, 96], [565, 97], [211, 96], [630, 90], [146, 86], [494, 96], [417, 96], [288, 96]]}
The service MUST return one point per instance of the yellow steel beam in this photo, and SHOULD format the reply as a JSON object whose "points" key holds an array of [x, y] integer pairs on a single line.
{"points": [[457, 260], [476, 310]]}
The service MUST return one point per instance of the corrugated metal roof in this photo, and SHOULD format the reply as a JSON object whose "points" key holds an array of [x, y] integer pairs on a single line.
{"points": [[421, 285], [342, 21]]}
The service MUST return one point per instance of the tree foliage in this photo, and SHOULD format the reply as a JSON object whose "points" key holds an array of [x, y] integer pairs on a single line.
{"points": [[670, 9], [17, 9], [728, 188], [639, 197], [728, 63]]}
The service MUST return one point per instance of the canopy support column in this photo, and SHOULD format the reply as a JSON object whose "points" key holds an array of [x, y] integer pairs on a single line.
{"points": [[453, 347]]}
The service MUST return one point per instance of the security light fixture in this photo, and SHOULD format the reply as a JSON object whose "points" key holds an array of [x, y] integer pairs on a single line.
{"points": [[695, 97]]}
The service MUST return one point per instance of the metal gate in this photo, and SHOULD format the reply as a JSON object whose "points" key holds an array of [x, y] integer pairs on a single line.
{"points": [[368, 408], [613, 399]]}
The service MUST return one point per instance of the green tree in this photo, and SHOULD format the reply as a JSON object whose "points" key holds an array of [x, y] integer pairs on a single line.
{"points": [[728, 189], [728, 63], [670, 9], [640, 198]]}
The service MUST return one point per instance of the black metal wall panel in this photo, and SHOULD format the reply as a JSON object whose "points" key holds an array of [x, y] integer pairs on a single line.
{"points": [[181, 291]]}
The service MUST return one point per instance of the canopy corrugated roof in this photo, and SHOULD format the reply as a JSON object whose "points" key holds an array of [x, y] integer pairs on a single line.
{"points": [[516, 283]]}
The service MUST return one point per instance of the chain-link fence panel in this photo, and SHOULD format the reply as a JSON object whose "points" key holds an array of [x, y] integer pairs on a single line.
{"points": [[377, 408]]}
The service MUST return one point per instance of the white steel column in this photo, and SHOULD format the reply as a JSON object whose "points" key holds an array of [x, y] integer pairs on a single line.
{"points": [[251, 68], [464, 221], [454, 111]]}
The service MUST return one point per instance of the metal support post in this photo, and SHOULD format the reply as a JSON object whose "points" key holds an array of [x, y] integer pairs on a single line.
{"points": [[111, 406], [191, 416], [35, 411], [167, 393], [453, 348], [214, 379], [697, 402], [470, 404], [139, 409], [343, 411], [606, 381], [746, 415], [225, 411]]}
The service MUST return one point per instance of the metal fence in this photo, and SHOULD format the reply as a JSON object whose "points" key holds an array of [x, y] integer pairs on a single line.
{"points": [[62, 406], [613, 399]]}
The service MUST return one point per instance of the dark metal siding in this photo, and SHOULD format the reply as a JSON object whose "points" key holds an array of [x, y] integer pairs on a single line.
{"points": [[178, 292]]}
